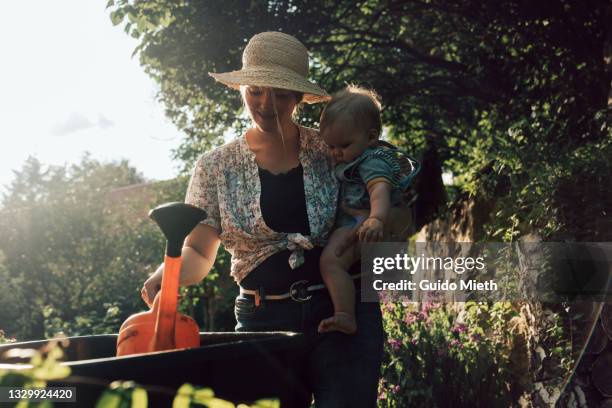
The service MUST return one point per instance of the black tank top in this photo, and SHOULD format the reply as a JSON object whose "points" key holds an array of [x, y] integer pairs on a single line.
{"points": [[283, 206]]}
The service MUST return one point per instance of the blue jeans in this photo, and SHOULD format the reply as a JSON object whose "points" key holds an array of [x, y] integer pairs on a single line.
{"points": [[340, 370]]}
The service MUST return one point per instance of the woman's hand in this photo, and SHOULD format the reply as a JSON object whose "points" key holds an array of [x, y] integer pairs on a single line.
{"points": [[198, 256], [152, 286]]}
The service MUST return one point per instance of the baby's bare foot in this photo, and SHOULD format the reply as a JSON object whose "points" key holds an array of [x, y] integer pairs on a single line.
{"points": [[340, 321]]}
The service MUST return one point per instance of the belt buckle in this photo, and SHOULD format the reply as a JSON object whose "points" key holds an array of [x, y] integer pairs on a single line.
{"points": [[298, 291]]}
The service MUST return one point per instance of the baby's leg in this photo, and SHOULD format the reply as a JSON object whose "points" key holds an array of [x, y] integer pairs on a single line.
{"points": [[334, 271]]}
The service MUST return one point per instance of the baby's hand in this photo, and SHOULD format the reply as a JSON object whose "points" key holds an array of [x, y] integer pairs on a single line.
{"points": [[371, 230]]}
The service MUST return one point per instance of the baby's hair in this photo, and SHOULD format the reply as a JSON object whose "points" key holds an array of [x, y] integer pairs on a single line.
{"points": [[362, 104]]}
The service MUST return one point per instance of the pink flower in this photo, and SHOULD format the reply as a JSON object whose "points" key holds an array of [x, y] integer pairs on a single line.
{"points": [[459, 328], [410, 318], [428, 306], [382, 396], [396, 389], [456, 343], [389, 307], [395, 344]]}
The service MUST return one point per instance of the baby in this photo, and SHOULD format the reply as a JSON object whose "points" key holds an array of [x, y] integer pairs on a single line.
{"points": [[369, 174]]}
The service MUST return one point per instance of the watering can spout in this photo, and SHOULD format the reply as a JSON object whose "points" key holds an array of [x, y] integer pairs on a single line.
{"points": [[176, 220], [162, 327]]}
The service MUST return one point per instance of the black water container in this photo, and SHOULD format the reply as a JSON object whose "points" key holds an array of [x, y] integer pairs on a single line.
{"points": [[239, 367]]}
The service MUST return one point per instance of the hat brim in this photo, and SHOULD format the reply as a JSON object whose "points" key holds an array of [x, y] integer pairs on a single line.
{"points": [[273, 77]]}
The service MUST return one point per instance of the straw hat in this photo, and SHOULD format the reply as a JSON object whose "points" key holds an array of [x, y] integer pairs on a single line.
{"points": [[275, 60]]}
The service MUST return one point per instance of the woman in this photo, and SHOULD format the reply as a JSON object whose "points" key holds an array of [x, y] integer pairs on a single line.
{"points": [[271, 198]]}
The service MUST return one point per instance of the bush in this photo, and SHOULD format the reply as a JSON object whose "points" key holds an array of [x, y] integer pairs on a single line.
{"points": [[4, 339], [436, 357]]}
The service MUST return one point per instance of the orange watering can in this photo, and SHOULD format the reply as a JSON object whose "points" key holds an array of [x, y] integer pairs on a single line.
{"points": [[162, 327]]}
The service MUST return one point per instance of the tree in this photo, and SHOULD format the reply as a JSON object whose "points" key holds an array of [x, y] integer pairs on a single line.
{"points": [[79, 245], [11, 298], [499, 92], [68, 250]]}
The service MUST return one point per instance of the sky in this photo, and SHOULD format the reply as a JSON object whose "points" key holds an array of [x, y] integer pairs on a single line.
{"points": [[68, 84]]}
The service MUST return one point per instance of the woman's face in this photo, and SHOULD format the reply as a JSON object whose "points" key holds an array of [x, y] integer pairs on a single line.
{"points": [[260, 104]]}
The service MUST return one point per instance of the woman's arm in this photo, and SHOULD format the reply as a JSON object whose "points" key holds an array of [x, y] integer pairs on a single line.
{"points": [[199, 253], [198, 256]]}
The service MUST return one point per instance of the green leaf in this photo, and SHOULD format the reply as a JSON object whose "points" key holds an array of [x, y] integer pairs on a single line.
{"points": [[117, 17], [53, 372], [203, 393], [183, 396], [109, 399], [266, 403], [139, 398], [216, 403]]}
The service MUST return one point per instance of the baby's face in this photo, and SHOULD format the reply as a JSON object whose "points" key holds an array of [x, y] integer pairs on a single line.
{"points": [[346, 140]]}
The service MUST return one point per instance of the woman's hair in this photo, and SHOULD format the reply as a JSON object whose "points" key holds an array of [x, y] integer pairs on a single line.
{"points": [[299, 98], [361, 104]]}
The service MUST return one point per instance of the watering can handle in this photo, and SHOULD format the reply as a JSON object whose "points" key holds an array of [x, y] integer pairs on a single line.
{"points": [[163, 338]]}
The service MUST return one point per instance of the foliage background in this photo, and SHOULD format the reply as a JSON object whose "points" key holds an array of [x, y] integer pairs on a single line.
{"points": [[77, 246], [509, 99]]}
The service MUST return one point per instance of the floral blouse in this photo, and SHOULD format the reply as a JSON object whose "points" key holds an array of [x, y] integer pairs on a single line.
{"points": [[225, 183]]}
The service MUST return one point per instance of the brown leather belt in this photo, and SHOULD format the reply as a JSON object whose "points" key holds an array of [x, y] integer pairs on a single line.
{"points": [[299, 291]]}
